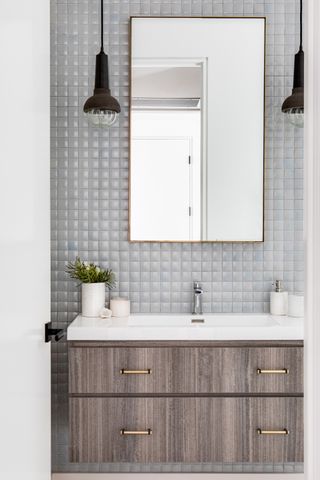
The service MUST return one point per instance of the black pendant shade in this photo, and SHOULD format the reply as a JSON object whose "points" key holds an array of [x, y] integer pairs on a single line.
{"points": [[293, 106], [102, 108], [296, 99], [102, 98]]}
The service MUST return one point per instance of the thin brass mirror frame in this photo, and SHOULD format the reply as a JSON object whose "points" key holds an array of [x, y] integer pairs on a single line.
{"points": [[264, 130]]}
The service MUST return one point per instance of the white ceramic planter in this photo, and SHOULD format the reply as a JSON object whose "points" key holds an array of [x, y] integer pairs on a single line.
{"points": [[93, 299]]}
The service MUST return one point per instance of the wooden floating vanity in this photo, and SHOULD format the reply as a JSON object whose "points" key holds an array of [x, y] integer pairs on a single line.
{"points": [[186, 401]]}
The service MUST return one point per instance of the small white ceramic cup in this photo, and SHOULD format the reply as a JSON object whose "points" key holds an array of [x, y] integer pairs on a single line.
{"points": [[296, 305], [120, 307]]}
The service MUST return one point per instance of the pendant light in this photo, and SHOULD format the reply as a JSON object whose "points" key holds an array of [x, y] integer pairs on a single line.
{"points": [[293, 106], [102, 108]]}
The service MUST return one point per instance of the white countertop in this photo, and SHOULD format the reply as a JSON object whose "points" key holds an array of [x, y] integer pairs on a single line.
{"points": [[180, 327]]}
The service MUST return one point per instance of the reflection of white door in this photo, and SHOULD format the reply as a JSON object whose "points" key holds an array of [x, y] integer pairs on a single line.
{"points": [[160, 206], [24, 241]]}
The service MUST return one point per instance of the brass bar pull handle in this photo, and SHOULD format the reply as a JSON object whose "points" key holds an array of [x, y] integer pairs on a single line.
{"points": [[280, 371], [126, 371], [273, 432], [123, 431]]}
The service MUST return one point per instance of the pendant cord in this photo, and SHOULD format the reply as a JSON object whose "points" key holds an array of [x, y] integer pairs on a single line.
{"points": [[101, 12], [300, 48]]}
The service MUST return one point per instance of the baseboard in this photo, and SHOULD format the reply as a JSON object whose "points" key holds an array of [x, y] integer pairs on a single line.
{"points": [[174, 476]]}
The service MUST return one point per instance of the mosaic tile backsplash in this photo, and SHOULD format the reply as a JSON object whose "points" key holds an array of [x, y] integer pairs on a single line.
{"points": [[89, 191]]}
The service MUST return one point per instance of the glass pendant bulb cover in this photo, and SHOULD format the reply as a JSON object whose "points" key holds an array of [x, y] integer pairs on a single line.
{"points": [[295, 116], [102, 108], [101, 118]]}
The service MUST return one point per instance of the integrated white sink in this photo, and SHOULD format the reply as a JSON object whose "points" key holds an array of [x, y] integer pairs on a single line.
{"points": [[187, 327], [205, 321]]}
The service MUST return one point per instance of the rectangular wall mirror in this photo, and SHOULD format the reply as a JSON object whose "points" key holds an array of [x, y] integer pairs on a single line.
{"points": [[197, 129]]}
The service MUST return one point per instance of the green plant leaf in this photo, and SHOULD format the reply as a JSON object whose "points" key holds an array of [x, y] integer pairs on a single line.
{"points": [[90, 273]]}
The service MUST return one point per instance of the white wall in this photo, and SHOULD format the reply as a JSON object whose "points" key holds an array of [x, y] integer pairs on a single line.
{"points": [[24, 240], [312, 240]]}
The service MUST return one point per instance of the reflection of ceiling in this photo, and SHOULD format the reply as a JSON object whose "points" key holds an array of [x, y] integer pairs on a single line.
{"points": [[166, 82]]}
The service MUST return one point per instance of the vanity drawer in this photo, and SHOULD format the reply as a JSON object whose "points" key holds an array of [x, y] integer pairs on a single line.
{"points": [[188, 430], [180, 370]]}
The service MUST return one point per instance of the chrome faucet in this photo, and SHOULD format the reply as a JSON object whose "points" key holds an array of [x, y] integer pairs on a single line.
{"points": [[197, 299]]}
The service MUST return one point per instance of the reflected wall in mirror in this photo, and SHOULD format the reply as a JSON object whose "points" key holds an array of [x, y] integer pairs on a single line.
{"points": [[197, 129]]}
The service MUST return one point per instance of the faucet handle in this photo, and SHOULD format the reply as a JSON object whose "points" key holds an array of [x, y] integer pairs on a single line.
{"points": [[196, 284]]}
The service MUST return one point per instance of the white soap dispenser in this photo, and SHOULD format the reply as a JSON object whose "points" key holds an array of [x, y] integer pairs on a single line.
{"points": [[278, 300]]}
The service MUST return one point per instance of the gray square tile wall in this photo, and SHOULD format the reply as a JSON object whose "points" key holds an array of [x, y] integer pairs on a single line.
{"points": [[90, 187]]}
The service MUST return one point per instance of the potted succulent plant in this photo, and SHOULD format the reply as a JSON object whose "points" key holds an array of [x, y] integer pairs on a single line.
{"points": [[94, 281]]}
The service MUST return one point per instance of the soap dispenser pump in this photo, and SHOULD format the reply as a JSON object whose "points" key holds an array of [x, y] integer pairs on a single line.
{"points": [[278, 299]]}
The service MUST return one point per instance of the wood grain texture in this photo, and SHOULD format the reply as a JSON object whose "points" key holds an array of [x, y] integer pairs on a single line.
{"points": [[185, 429], [184, 370]]}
